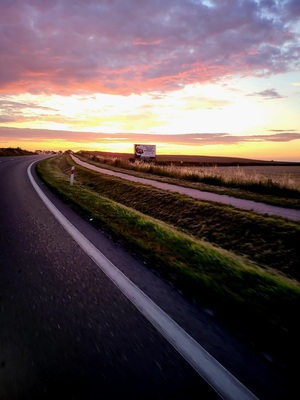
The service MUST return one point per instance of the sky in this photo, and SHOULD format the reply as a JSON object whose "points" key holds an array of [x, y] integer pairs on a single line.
{"points": [[201, 77]]}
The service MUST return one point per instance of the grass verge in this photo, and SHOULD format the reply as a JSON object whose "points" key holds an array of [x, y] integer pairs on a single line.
{"points": [[270, 242], [255, 301]]}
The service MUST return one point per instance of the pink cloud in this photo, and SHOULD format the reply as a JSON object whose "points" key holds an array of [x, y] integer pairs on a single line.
{"points": [[189, 139], [67, 47]]}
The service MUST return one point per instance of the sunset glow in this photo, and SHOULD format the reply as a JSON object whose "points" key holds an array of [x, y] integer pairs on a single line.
{"points": [[216, 78]]}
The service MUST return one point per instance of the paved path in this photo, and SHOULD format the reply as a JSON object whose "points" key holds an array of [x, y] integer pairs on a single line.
{"points": [[291, 214]]}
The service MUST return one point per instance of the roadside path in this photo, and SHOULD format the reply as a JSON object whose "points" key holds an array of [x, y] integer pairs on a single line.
{"points": [[262, 208]]}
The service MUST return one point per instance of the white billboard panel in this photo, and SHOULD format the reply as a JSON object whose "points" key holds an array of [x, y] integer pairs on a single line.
{"points": [[144, 150]]}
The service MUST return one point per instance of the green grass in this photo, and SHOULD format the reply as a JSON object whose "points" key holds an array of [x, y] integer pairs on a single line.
{"points": [[167, 231]]}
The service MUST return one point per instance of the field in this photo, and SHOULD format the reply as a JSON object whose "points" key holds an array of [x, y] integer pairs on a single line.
{"points": [[242, 266], [284, 175], [273, 184], [195, 160]]}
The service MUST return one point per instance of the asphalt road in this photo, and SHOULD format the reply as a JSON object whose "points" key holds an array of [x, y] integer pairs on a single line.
{"points": [[67, 330], [262, 208]]}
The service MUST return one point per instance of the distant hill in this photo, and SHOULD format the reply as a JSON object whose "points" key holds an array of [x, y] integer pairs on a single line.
{"points": [[14, 151], [190, 160]]}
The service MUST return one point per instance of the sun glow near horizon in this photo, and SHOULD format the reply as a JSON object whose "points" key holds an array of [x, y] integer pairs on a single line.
{"points": [[263, 151], [142, 115], [176, 113]]}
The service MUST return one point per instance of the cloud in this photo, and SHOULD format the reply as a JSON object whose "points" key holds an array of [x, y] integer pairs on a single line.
{"points": [[282, 130], [268, 94], [277, 137], [14, 111], [67, 46], [189, 139]]}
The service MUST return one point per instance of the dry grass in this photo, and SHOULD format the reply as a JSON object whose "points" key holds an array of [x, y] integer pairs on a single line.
{"points": [[284, 176], [273, 179]]}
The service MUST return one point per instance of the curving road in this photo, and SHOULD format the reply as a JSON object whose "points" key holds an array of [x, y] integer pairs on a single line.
{"points": [[292, 214], [82, 319]]}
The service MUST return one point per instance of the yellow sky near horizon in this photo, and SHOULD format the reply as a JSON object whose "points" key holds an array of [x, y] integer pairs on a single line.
{"points": [[262, 151], [114, 123]]}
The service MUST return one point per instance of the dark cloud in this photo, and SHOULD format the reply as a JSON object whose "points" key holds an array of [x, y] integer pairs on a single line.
{"points": [[268, 94], [67, 46], [293, 10]]}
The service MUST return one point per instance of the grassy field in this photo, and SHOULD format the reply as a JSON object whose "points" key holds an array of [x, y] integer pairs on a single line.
{"points": [[258, 183], [196, 160], [241, 265], [281, 176]]}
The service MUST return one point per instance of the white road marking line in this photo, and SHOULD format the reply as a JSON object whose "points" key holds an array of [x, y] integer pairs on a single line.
{"points": [[221, 380]]}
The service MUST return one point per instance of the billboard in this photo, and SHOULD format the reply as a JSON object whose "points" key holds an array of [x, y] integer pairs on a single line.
{"points": [[144, 150]]}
